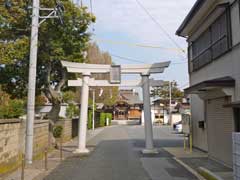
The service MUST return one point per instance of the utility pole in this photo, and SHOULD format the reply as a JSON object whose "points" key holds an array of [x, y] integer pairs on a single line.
{"points": [[93, 115], [53, 13], [32, 81]]}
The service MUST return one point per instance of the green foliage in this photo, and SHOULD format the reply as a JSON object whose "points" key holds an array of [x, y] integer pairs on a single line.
{"points": [[163, 91], [56, 42], [16, 108], [68, 96], [90, 115], [102, 119], [109, 116], [57, 131], [96, 56], [72, 111], [10, 108]]}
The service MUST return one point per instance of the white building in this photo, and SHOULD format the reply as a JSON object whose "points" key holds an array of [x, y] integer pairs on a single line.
{"points": [[212, 29]]}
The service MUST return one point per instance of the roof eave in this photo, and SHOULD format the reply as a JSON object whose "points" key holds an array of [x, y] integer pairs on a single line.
{"points": [[191, 14]]}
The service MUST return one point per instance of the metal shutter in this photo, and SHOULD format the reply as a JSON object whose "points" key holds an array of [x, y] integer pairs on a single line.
{"points": [[220, 128]]}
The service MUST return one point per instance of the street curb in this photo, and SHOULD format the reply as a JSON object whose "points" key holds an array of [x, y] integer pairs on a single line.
{"points": [[195, 173], [208, 174]]}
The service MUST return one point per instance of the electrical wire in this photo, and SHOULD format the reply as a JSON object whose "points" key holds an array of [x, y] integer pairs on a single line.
{"points": [[160, 26], [137, 45], [139, 61]]}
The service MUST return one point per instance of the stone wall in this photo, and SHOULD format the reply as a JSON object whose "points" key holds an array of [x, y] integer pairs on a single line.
{"points": [[41, 138], [12, 142]]}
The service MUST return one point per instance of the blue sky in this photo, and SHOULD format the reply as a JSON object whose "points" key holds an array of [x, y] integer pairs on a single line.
{"points": [[125, 21]]}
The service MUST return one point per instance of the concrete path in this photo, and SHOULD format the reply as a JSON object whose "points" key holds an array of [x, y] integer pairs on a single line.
{"points": [[116, 156]]}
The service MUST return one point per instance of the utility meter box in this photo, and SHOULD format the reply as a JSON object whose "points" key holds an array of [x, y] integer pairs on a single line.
{"points": [[115, 74]]}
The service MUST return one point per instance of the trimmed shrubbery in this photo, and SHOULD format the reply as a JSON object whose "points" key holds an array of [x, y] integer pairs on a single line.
{"points": [[103, 119], [109, 116], [57, 131], [90, 115]]}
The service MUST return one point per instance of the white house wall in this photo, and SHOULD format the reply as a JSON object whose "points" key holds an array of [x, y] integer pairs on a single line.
{"points": [[226, 65]]}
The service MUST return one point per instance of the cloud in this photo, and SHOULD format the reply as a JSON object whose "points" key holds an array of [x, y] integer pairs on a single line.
{"points": [[126, 16]]}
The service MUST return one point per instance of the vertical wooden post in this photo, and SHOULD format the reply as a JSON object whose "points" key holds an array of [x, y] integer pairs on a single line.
{"points": [[190, 142], [184, 142], [23, 167], [61, 154], [46, 159]]}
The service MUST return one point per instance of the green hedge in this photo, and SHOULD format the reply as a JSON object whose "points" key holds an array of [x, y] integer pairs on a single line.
{"points": [[109, 116], [102, 119], [89, 124]]}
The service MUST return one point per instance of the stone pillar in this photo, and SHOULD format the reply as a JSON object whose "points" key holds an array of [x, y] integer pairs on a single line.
{"points": [[82, 128], [149, 149]]}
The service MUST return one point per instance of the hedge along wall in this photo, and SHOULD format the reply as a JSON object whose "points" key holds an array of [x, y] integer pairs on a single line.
{"points": [[90, 116], [67, 128], [12, 142], [103, 119]]}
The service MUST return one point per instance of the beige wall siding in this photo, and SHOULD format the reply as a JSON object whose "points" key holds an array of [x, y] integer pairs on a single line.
{"points": [[220, 127]]}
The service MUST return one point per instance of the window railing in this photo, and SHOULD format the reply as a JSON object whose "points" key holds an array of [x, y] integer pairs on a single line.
{"points": [[212, 52]]}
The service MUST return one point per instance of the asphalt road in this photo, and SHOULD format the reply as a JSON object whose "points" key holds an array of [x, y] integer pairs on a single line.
{"points": [[117, 155]]}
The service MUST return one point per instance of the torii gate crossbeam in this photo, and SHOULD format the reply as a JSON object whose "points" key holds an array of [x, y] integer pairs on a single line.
{"points": [[104, 83], [87, 69]]}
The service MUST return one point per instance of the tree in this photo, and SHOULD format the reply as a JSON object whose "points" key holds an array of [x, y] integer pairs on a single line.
{"points": [[95, 56], [163, 91], [56, 42]]}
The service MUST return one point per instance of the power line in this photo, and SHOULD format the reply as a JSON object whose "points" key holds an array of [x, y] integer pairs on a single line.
{"points": [[139, 61], [160, 26], [128, 59], [137, 45]]}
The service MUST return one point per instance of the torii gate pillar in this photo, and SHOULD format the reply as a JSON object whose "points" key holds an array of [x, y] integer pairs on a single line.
{"points": [[149, 148], [82, 124]]}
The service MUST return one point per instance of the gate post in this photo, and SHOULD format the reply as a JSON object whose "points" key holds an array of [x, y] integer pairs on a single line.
{"points": [[82, 125], [149, 147]]}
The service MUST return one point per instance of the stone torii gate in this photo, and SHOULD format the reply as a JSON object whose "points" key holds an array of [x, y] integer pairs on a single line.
{"points": [[87, 70]]}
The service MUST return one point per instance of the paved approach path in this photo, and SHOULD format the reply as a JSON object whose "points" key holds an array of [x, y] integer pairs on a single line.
{"points": [[116, 156]]}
